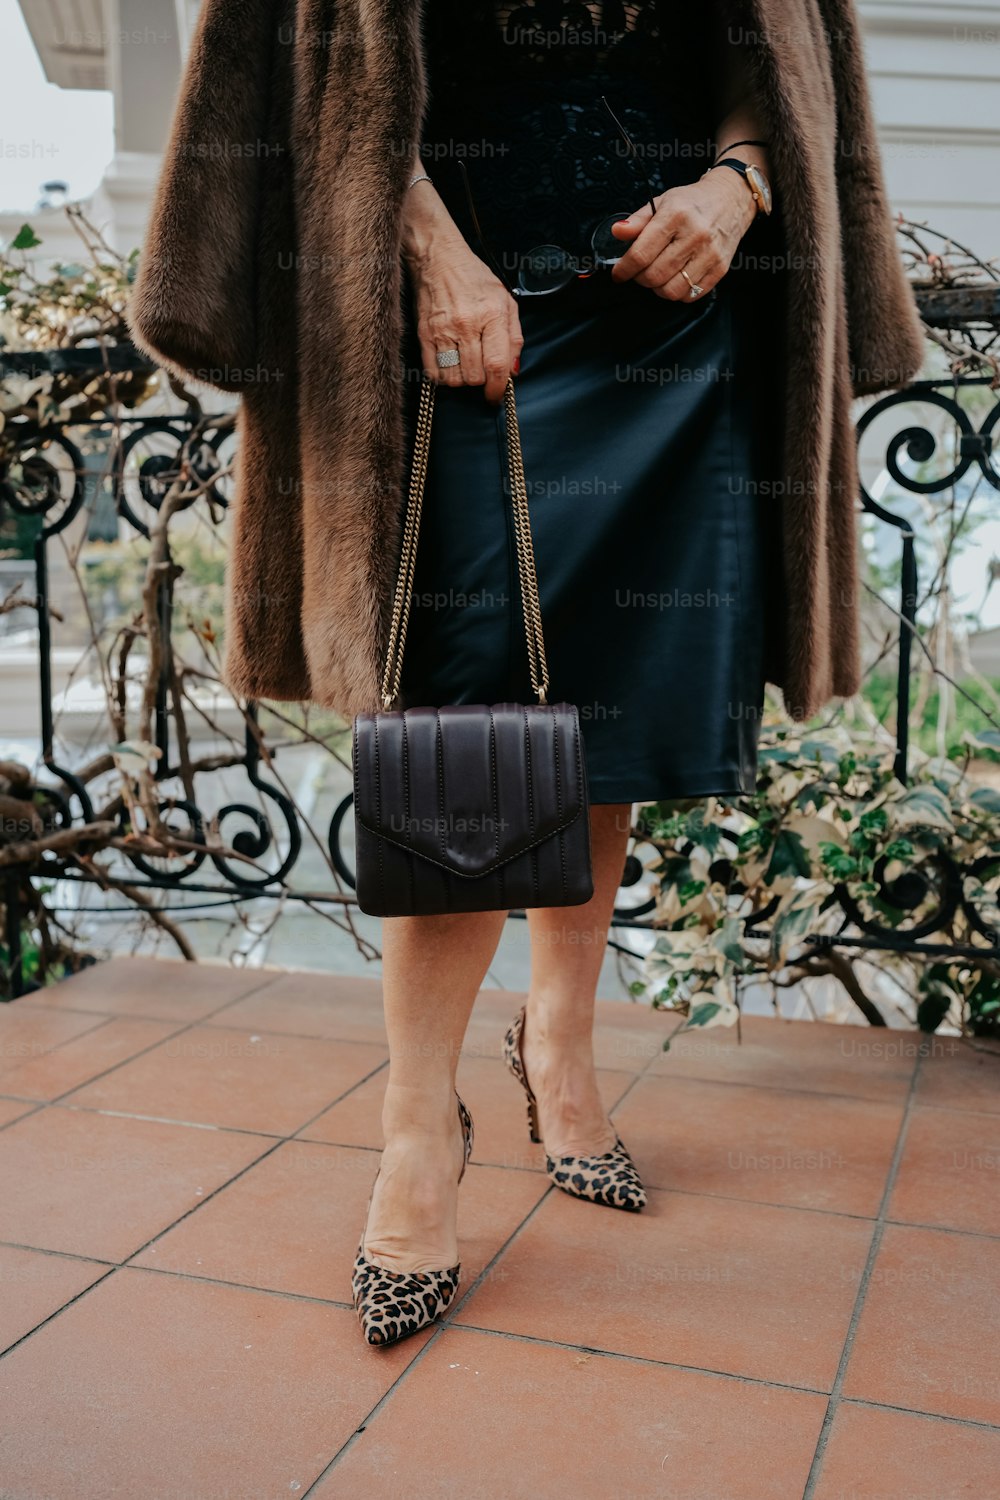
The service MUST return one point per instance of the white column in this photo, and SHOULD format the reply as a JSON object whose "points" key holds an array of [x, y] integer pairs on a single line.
{"points": [[145, 46]]}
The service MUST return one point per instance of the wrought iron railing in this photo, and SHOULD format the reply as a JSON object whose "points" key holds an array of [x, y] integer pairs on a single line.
{"points": [[48, 481]]}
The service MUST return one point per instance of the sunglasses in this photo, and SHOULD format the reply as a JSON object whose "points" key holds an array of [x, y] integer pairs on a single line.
{"points": [[550, 268]]}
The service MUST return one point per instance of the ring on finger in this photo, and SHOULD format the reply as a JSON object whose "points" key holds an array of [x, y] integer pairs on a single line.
{"points": [[696, 290], [448, 358]]}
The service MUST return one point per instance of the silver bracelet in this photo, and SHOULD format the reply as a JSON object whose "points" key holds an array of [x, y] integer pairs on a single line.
{"points": [[421, 177]]}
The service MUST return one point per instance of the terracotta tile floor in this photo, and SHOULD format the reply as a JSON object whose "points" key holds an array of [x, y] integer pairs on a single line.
{"points": [[807, 1308]]}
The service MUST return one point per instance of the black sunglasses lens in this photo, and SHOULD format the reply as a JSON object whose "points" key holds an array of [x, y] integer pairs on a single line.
{"points": [[607, 247], [547, 268]]}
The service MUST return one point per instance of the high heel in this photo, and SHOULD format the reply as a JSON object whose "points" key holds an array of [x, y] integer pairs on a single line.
{"points": [[392, 1305], [610, 1178]]}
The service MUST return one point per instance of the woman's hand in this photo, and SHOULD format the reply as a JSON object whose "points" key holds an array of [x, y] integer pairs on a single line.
{"points": [[461, 305], [696, 228]]}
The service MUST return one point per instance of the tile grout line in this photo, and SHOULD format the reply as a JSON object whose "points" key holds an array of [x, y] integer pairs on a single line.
{"points": [[771, 1088], [110, 1016], [57, 1312], [757, 1380], [965, 1234], [976, 1423], [881, 1219], [632, 1359], [33, 1108], [73, 1255], [101, 1019]]}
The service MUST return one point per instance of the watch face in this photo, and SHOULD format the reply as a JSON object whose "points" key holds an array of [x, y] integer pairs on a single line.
{"points": [[760, 186]]}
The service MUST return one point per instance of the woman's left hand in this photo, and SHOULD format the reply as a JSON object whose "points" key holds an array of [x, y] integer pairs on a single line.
{"points": [[696, 228]]}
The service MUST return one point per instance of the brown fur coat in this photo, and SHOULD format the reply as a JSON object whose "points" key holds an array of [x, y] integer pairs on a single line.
{"points": [[272, 268]]}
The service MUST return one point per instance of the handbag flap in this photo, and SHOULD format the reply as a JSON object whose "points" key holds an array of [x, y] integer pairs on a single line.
{"points": [[469, 787]]}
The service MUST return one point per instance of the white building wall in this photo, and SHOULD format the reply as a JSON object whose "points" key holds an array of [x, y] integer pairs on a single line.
{"points": [[934, 67]]}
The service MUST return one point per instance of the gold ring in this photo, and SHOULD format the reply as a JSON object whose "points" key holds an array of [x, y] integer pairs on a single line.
{"points": [[696, 290]]}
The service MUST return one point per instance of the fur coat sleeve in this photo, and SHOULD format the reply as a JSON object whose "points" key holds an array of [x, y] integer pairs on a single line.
{"points": [[885, 338], [192, 307]]}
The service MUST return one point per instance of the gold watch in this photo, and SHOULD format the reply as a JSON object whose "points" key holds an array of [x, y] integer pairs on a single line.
{"points": [[755, 180]]}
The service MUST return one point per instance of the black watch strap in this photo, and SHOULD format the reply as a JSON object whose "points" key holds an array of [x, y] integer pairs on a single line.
{"points": [[734, 162], [763, 206]]}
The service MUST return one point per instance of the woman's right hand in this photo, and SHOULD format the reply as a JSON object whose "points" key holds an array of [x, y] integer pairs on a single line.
{"points": [[460, 303]]}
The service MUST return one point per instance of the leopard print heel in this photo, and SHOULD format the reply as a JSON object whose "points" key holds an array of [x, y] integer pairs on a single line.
{"points": [[392, 1305], [610, 1178]]}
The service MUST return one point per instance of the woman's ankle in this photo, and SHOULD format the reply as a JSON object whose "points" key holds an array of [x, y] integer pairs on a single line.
{"points": [[426, 1111], [559, 1029]]}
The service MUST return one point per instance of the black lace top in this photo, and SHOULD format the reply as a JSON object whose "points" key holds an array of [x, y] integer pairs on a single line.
{"points": [[515, 91]]}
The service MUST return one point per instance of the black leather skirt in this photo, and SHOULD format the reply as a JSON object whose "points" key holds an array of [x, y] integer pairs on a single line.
{"points": [[652, 536]]}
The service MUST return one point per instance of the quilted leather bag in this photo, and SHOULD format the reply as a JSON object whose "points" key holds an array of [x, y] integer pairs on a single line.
{"points": [[469, 807]]}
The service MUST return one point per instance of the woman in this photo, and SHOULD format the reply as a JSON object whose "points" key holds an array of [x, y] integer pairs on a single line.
{"points": [[635, 399], [703, 486]]}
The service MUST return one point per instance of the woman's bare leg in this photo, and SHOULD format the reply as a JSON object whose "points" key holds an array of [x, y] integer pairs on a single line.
{"points": [[432, 969], [567, 948]]}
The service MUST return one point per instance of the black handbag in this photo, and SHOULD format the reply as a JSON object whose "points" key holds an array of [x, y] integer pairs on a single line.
{"points": [[469, 807]]}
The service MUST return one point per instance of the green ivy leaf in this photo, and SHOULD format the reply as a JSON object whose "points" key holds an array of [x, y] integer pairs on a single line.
{"points": [[922, 807], [25, 239], [838, 864], [789, 857], [987, 798], [728, 940], [793, 921], [705, 1013], [847, 765], [820, 750]]}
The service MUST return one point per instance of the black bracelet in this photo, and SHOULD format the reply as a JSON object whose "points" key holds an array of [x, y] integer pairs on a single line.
{"points": [[732, 147]]}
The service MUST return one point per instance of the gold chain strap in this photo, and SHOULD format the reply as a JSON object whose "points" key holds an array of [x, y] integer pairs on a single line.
{"points": [[537, 665]]}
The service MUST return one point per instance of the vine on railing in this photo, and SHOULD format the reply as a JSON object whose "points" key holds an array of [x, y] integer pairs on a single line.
{"points": [[861, 860]]}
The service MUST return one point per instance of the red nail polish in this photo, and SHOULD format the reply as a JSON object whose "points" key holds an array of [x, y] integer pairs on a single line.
{"points": [[516, 366]]}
